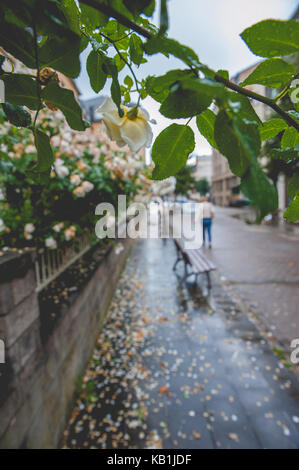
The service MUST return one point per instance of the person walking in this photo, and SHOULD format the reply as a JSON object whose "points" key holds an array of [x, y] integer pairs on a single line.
{"points": [[208, 215]]}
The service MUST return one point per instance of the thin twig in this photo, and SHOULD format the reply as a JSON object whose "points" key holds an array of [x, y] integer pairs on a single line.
{"points": [[126, 62]]}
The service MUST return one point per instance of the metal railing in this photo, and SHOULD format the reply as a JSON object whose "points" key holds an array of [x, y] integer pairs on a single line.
{"points": [[51, 263]]}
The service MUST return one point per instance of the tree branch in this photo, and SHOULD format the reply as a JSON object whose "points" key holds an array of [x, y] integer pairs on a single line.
{"points": [[109, 11], [263, 99]]}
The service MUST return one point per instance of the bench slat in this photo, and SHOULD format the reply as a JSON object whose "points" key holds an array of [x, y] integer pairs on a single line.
{"points": [[201, 259], [199, 262]]}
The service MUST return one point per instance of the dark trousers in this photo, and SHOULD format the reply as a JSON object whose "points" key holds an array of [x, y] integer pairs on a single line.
{"points": [[207, 224]]}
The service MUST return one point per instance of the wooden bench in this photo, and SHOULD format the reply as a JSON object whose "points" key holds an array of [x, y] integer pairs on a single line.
{"points": [[196, 259]]}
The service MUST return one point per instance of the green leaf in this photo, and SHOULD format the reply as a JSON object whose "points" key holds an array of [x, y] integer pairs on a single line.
{"points": [[293, 186], [21, 90], [223, 73], [159, 87], [95, 71], [206, 86], [138, 6], [149, 11], [273, 38], [110, 68], [272, 72], [17, 115], [288, 155], [206, 124], [238, 140], [163, 17], [92, 18], [128, 81], [64, 99], [292, 212], [135, 48], [18, 43], [171, 149], [241, 107], [290, 138], [62, 54], [44, 152], [184, 103], [259, 190], [71, 13], [170, 46], [270, 129]]}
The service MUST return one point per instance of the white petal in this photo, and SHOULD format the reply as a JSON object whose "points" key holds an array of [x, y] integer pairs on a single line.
{"points": [[109, 111], [134, 133], [142, 113], [149, 131], [112, 130], [107, 106]]}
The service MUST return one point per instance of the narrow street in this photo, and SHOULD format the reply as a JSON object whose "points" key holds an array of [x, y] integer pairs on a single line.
{"points": [[170, 372], [261, 265]]}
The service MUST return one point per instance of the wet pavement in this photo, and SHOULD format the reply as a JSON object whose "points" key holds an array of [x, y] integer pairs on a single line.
{"points": [[170, 372], [261, 265]]}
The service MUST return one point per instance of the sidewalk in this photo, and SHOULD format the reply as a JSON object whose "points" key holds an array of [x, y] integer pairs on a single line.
{"points": [[168, 372], [261, 265]]}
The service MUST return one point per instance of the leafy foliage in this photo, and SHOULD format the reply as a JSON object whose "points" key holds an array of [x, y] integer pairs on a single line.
{"points": [[49, 35]]}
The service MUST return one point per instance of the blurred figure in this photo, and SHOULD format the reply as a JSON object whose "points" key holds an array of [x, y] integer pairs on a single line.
{"points": [[208, 215]]}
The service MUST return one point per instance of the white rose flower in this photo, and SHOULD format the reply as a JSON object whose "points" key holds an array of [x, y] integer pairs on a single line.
{"points": [[2, 226], [87, 186], [55, 140], [27, 236], [29, 228], [60, 168], [79, 191], [75, 179], [69, 234], [51, 243], [136, 133], [57, 227], [30, 149]]}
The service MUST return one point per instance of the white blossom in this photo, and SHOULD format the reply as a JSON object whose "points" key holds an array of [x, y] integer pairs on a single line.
{"points": [[136, 133], [29, 228], [2, 226], [60, 168], [87, 186], [51, 243]]}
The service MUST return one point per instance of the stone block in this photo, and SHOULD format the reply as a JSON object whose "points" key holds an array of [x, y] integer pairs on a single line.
{"points": [[23, 287], [24, 347], [13, 325]]}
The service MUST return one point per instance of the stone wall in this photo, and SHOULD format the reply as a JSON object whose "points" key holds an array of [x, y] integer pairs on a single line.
{"points": [[38, 380]]}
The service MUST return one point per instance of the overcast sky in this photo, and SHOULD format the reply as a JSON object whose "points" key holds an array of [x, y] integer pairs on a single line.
{"points": [[211, 28]]}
